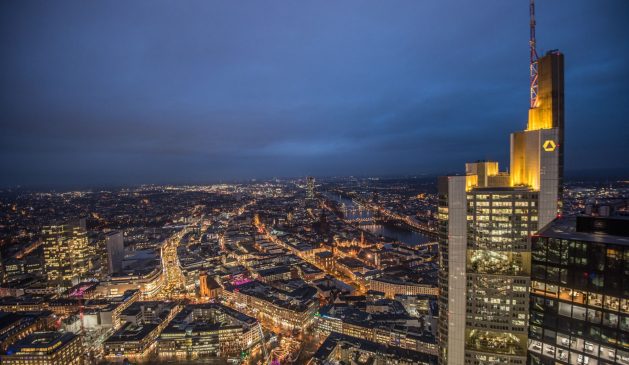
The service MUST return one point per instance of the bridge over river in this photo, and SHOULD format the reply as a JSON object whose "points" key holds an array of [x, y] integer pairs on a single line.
{"points": [[400, 228]]}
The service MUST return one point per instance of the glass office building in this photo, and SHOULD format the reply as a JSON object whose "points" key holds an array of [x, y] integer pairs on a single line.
{"points": [[579, 311]]}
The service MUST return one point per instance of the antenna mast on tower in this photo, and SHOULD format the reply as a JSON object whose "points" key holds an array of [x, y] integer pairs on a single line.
{"points": [[533, 64]]}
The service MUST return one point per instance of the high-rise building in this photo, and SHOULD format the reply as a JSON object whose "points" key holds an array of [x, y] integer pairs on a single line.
{"points": [[486, 219], [580, 292], [66, 253], [310, 188], [115, 251]]}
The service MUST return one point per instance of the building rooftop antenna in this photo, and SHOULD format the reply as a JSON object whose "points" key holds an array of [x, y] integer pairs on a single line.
{"points": [[533, 62]]}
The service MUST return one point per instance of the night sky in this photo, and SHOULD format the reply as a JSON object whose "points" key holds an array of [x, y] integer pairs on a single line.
{"points": [[128, 92]]}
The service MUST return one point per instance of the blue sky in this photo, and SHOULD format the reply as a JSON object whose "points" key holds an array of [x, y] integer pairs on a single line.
{"points": [[127, 92]]}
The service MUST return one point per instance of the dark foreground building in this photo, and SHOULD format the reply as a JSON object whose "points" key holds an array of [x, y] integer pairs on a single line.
{"points": [[580, 292], [343, 349], [46, 348]]}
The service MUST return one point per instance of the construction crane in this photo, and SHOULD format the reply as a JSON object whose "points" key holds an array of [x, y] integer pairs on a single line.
{"points": [[533, 64]]}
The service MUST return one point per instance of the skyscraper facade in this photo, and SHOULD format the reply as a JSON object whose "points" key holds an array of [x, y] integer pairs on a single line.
{"points": [[115, 251], [486, 219], [310, 188], [66, 253], [580, 292]]}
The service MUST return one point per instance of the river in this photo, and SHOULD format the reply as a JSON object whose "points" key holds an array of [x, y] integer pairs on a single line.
{"points": [[392, 231]]}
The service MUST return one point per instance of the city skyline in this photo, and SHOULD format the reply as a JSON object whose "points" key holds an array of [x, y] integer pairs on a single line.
{"points": [[97, 96], [283, 192]]}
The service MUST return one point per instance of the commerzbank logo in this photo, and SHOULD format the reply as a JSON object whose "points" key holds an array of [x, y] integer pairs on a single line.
{"points": [[549, 145]]}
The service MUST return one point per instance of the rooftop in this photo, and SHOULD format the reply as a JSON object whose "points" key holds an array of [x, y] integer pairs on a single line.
{"points": [[205, 317], [131, 332], [566, 228], [278, 270], [46, 342], [337, 339], [297, 300]]}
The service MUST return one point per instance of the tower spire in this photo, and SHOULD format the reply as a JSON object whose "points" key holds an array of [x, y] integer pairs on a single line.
{"points": [[533, 61]]}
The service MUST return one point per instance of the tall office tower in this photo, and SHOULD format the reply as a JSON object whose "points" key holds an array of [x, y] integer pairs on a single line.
{"points": [[486, 219], [310, 188], [485, 268], [537, 152], [66, 253], [115, 251], [580, 291]]}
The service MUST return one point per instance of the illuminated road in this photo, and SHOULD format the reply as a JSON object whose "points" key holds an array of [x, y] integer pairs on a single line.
{"points": [[337, 275], [174, 278]]}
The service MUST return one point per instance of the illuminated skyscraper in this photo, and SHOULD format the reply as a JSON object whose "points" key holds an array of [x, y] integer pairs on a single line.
{"points": [[310, 188], [486, 219], [66, 253], [115, 251]]}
